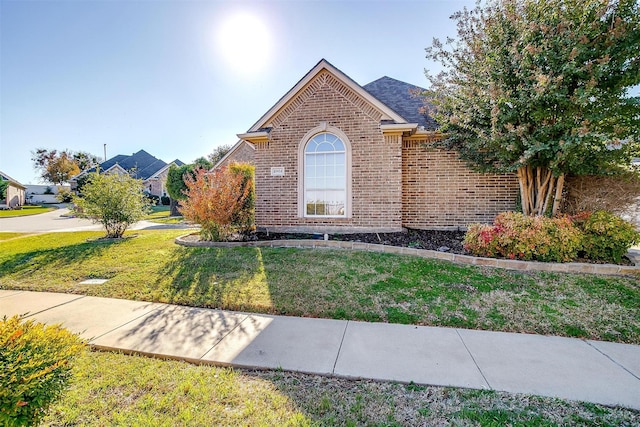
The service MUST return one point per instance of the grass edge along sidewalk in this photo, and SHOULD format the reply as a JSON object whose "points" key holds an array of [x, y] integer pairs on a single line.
{"points": [[338, 284]]}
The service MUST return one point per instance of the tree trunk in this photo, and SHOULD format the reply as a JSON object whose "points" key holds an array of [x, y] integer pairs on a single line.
{"points": [[540, 191], [173, 208]]}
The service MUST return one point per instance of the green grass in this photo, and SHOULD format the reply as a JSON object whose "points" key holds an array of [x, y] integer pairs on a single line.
{"points": [[160, 214], [326, 283], [7, 235], [26, 210], [115, 389]]}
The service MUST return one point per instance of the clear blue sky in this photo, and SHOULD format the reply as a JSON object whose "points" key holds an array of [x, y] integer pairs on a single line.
{"points": [[178, 78]]}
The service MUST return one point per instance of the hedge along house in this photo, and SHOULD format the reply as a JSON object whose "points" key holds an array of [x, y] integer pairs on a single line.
{"points": [[332, 156]]}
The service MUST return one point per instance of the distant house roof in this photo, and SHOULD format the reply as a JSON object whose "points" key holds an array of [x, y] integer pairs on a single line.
{"points": [[403, 98], [15, 183], [141, 165]]}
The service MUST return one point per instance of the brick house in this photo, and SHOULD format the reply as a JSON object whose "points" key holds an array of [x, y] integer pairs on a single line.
{"points": [[140, 165], [334, 156]]}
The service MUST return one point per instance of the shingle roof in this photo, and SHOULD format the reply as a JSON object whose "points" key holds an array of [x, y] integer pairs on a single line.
{"points": [[141, 165], [403, 98], [5, 177]]}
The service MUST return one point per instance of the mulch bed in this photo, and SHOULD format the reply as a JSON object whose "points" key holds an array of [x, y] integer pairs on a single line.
{"points": [[443, 241]]}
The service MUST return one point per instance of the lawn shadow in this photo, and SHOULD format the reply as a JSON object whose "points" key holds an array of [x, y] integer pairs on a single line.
{"points": [[216, 278], [32, 261]]}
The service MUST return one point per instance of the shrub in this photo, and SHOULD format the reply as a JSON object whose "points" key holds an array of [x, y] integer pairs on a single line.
{"points": [[165, 200], [606, 237], [244, 218], [64, 195], [35, 365], [153, 199], [517, 236], [216, 201], [116, 201]]}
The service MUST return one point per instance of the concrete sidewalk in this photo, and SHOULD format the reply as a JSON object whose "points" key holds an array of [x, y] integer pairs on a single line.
{"points": [[593, 371]]}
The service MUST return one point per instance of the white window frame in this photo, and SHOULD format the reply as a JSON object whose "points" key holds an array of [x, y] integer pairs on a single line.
{"points": [[323, 128]]}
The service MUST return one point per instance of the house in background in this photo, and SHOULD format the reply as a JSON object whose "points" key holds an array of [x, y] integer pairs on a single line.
{"points": [[141, 165], [334, 156], [16, 195]]}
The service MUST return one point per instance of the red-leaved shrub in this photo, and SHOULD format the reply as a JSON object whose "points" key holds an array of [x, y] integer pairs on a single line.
{"points": [[217, 201], [517, 236]]}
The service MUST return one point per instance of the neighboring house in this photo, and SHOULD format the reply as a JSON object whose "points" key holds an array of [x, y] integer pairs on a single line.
{"points": [[141, 165], [15, 192], [334, 156], [241, 152], [44, 193]]}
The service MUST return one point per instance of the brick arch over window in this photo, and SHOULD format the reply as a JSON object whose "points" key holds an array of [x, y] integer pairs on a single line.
{"points": [[324, 174]]}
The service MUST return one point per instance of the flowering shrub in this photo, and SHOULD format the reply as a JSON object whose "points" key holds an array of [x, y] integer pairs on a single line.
{"points": [[517, 236], [606, 237], [36, 362], [218, 201]]}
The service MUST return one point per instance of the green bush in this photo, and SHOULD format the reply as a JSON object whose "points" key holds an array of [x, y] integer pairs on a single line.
{"points": [[165, 200], [244, 218], [116, 201], [517, 236], [606, 237], [35, 365]]}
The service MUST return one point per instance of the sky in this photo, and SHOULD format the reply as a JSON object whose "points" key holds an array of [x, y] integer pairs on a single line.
{"points": [[179, 78]]}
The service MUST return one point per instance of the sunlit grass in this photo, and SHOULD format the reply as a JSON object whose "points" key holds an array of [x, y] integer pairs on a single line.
{"points": [[7, 235], [160, 214], [115, 389], [25, 211], [149, 266]]}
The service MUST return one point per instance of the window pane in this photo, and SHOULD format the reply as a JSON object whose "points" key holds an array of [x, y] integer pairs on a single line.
{"points": [[325, 176]]}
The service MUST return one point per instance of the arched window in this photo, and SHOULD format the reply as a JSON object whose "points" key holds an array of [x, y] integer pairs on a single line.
{"points": [[325, 176]]}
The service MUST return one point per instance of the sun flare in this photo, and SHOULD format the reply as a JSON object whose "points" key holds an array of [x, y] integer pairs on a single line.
{"points": [[244, 42]]}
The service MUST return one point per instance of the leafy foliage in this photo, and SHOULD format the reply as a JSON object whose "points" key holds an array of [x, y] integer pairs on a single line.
{"points": [[539, 88], [244, 218], [116, 201], [36, 362], [218, 153], [517, 236], [175, 181], [218, 201], [606, 237], [58, 167], [3, 189]]}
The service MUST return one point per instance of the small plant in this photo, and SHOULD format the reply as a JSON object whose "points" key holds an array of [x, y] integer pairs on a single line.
{"points": [[606, 237], [115, 201], [218, 201], [64, 195], [165, 200], [35, 366], [517, 236]]}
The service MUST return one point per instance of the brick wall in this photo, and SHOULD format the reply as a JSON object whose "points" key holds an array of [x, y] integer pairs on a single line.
{"points": [[441, 192], [376, 162], [244, 153]]}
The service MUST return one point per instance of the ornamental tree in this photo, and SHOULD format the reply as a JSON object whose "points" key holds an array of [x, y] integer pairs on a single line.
{"points": [[540, 89], [58, 167], [113, 200]]}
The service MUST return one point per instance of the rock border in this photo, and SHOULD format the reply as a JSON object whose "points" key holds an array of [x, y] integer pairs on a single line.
{"points": [[569, 267]]}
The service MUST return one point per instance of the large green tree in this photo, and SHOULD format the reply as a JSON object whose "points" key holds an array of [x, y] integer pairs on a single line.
{"points": [[540, 88]]}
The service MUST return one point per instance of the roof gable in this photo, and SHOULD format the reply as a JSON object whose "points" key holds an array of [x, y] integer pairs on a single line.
{"points": [[325, 72], [403, 98]]}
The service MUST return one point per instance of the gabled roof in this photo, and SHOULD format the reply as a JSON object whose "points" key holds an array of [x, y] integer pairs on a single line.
{"points": [[168, 165], [403, 98], [5, 177], [140, 165], [387, 113], [233, 149]]}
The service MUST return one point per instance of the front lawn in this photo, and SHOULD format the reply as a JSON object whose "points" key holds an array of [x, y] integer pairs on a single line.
{"points": [[326, 283], [115, 389], [160, 214], [25, 210]]}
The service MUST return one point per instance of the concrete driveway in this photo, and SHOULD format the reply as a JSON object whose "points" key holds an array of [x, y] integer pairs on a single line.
{"points": [[58, 221]]}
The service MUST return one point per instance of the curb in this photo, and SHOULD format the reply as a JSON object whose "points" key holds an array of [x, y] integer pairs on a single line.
{"points": [[569, 267]]}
